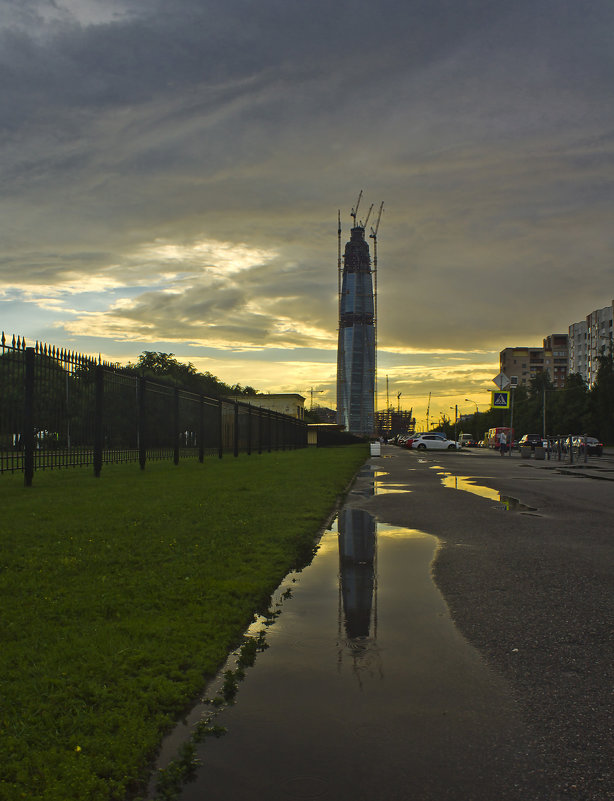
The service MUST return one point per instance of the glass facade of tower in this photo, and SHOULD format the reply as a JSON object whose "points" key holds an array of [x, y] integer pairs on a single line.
{"points": [[356, 347]]}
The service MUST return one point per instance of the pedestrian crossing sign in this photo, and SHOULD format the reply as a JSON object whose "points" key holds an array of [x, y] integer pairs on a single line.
{"points": [[500, 399]]}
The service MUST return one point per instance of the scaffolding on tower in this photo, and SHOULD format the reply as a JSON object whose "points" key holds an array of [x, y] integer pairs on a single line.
{"points": [[357, 333]]}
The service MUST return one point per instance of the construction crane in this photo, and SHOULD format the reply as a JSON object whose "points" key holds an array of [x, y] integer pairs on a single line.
{"points": [[311, 391], [364, 225], [354, 211], [373, 236]]}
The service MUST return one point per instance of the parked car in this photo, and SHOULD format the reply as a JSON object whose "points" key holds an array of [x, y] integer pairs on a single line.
{"points": [[531, 440], [412, 437], [433, 441], [593, 446]]}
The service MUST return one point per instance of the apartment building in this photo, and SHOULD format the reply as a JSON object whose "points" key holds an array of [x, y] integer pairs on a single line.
{"points": [[556, 358], [522, 364], [587, 339], [578, 348]]}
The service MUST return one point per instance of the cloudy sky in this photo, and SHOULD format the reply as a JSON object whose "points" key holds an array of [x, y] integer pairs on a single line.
{"points": [[171, 174]]}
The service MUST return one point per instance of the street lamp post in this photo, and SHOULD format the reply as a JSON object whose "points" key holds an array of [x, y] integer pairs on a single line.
{"points": [[468, 400]]}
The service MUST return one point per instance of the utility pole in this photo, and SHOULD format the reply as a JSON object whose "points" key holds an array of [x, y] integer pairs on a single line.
{"points": [[428, 409], [511, 420]]}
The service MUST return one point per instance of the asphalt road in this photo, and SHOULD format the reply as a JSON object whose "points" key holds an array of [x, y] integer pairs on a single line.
{"points": [[525, 567]]}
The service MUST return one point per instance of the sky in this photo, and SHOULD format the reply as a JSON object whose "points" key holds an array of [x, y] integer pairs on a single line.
{"points": [[171, 175]]}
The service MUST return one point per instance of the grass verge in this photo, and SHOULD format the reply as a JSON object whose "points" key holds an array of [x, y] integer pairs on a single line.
{"points": [[121, 596]]}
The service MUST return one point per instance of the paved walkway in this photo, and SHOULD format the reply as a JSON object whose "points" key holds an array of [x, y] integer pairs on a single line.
{"points": [[528, 576], [593, 467]]}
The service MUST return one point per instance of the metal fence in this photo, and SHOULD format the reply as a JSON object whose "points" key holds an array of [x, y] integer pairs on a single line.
{"points": [[62, 409]]}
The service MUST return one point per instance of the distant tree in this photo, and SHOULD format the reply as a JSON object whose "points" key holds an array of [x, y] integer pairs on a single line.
{"points": [[570, 412], [239, 390], [538, 402], [311, 416], [601, 418], [165, 368]]}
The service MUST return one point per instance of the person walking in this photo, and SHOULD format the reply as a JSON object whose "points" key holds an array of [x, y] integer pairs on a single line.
{"points": [[502, 443]]}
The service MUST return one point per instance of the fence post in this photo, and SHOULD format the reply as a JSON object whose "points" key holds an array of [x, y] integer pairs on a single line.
{"points": [[28, 425], [236, 437], [176, 426], [220, 452], [98, 417], [141, 422], [201, 430], [249, 429]]}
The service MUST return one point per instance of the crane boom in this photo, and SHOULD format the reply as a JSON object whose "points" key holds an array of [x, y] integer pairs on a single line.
{"points": [[354, 211], [373, 234]]}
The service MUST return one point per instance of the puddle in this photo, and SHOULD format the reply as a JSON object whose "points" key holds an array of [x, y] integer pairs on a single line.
{"points": [[366, 689], [514, 505], [375, 486], [467, 484], [385, 488]]}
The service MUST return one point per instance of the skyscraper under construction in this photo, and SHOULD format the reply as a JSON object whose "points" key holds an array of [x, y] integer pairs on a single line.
{"points": [[356, 350]]}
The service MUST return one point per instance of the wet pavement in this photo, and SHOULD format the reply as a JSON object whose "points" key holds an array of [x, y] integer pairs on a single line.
{"points": [[377, 686]]}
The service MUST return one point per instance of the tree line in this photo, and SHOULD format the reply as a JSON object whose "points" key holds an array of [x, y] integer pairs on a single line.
{"points": [[165, 368]]}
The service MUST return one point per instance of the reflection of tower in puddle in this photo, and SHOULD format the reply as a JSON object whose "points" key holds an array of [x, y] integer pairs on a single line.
{"points": [[358, 589]]}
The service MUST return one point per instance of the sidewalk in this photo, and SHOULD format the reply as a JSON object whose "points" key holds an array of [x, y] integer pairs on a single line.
{"points": [[598, 467]]}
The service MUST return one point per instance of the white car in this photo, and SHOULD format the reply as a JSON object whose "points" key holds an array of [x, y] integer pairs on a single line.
{"points": [[434, 442]]}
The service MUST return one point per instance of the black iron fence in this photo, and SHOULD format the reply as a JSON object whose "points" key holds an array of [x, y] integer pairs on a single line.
{"points": [[61, 409]]}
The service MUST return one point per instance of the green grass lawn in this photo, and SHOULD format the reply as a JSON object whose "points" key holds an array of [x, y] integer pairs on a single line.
{"points": [[121, 595]]}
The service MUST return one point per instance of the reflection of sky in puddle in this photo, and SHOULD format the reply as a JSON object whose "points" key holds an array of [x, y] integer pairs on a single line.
{"points": [[466, 483], [383, 488], [365, 676]]}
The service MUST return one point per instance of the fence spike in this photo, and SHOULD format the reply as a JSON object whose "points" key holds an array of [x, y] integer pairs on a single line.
{"points": [[3, 339]]}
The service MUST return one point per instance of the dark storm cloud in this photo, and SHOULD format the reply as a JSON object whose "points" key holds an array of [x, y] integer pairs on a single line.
{"points": [[186, 160], [160, 48]]}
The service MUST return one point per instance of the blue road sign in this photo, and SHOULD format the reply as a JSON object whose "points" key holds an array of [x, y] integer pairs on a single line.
{"points": [[500, 400]]}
